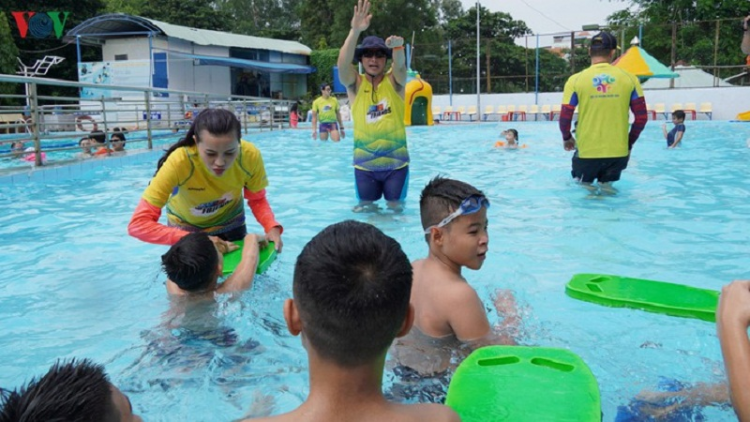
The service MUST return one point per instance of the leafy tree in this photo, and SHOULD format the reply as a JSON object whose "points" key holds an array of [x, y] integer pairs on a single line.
{"points": [[129, 7], [203, 14], [327, 22], [8, 54], [264, 18], [695, 23]]}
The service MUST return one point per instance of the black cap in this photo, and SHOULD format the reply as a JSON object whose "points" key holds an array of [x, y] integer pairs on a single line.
{"points": [[603, 41]]}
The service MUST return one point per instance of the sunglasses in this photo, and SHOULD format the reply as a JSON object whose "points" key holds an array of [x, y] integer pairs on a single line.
{"points": [[327, 89], [469, 205], [378, 54]]}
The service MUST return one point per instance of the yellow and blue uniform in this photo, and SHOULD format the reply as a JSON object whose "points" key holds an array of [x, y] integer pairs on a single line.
{"points": [[381, 156], [379, 130], [199, 201], [326, 109]]}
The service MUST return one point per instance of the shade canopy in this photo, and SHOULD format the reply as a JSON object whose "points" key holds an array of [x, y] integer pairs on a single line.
{"points": [[638, 62]]}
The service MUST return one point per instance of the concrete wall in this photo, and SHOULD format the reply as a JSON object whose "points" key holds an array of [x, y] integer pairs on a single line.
{"points": [[726, 102], [135, 48]]}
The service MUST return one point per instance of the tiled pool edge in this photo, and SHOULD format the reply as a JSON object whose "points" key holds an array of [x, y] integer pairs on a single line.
{"points": [[72, 170]]}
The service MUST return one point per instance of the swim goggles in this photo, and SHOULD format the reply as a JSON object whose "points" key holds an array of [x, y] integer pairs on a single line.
{"points": [[469, 205]]}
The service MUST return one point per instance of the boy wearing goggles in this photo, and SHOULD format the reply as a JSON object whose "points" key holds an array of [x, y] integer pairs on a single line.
{"points": [[448, 312]]}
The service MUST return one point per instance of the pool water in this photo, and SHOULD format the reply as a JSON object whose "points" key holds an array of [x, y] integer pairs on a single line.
{"points": [[74, 284]]}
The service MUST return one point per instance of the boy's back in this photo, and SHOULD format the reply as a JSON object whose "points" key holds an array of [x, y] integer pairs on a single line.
{"points": [[351, 299], [368, 412]]}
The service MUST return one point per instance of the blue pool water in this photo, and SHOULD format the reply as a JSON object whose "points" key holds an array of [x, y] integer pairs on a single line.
{"points": [[73, 284]]}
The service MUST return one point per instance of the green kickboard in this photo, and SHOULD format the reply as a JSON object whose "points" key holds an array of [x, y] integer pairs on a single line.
{"points": [[516, 383], [648, 295], [232, 259]]}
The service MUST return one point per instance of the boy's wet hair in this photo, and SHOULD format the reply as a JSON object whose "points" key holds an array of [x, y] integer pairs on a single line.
{"points": [[352, 285], [679, 114], [441, 197], [215, 121], [78, 390], [514, 132], [191, 262], [98, 136]]}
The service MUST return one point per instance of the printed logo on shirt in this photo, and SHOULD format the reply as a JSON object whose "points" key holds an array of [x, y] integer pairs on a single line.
{"points": [[210, 208], [377, 111], [327, 107], [603, 82]]}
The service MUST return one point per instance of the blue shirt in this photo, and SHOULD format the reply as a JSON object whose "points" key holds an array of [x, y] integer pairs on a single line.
{"points": [[672, 133]]}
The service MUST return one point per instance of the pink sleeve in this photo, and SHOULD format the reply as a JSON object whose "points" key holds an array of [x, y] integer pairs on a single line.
{"points": [[262, 209], [144, 225]]}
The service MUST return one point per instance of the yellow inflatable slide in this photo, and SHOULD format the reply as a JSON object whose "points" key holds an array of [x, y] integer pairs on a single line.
{"points": [[418, 101]]}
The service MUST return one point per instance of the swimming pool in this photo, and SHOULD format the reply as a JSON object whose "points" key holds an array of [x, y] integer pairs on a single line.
{"points": [[72, 283]]}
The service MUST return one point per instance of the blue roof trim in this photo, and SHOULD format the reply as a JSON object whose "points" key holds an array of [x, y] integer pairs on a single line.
{"points": [[269, 67]]}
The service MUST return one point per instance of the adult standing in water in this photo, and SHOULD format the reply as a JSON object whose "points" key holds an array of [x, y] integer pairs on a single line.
{"points": [[201, 180], [603, 94], [381, 157], [326, 117]]}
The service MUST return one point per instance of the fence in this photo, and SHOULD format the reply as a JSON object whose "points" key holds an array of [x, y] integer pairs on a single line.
{"points": [[48, 122], [515, 66]]}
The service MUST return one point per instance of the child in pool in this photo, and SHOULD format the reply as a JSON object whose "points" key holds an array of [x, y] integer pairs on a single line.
{"points": [[674, 137], [511, 140], [85, 144], [447, 309], [75, 390], [194, 266], [350, 299]]}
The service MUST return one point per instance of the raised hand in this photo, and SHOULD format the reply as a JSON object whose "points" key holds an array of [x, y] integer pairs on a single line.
{"points": [[362, 16], [394, 41]]}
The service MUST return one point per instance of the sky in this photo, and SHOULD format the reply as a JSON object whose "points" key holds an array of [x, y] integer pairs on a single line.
{"points": [[546, 16]]}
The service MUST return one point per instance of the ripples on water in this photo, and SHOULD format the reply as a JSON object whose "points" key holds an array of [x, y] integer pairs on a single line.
{"points": [[74, 284]]}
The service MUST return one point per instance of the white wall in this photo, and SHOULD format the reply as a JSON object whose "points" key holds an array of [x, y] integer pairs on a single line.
{"points": [[135, 48], [726, 102]]}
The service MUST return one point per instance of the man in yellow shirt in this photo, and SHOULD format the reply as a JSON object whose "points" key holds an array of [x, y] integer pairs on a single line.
{"points": [[326, 117], [603, 94]]}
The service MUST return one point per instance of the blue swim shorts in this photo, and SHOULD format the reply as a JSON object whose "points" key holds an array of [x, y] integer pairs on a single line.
{"points": [[392, 184], [328, 127]]}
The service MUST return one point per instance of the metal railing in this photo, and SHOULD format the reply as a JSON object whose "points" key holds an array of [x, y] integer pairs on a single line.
{"points": [[147, 115]]}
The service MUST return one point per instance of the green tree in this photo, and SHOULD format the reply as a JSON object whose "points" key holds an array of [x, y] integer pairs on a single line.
{"points": [[264, 18], [694, 23], [327, 22], [202, 14], [129, 7], [8, 55]]}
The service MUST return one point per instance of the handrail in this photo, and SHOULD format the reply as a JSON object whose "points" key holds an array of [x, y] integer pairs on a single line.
{"points": [[157, 108]]}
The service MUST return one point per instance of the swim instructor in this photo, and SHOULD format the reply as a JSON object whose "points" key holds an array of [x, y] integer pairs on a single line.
{"points": [[381, 157], [201, 180]]}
